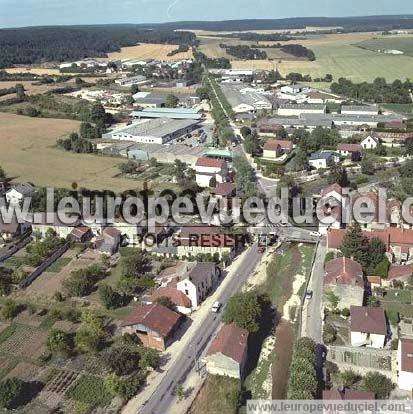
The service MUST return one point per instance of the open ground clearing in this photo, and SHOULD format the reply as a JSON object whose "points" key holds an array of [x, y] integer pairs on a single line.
{"points": [[149, 51], [402, 43], [36, 71], [338, 54], [29, 153]]}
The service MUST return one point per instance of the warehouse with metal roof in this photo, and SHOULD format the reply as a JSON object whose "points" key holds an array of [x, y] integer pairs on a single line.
{"points": [[154, 131]]}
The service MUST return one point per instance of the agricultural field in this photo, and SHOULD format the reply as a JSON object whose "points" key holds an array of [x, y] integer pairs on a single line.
{"points": [[149, 51], [36, 71], [402, 43], [338, 54], [29, 153]]}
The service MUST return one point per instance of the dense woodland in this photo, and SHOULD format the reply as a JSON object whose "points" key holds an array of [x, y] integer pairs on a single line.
{"points": [[40, 44], [258, 37], [379, 91], [348, 24], [298, 51], [244, 52]]}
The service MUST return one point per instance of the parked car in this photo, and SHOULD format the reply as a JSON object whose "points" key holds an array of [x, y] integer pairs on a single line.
{"points": [[216, 307], [315, 234], [308, 294]]}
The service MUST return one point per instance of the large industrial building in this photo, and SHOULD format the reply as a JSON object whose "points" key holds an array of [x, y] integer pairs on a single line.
{"points": [[171, 113], [298, 109], [245, 99], [153, 131]]}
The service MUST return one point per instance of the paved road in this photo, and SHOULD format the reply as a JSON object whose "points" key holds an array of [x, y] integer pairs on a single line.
{"points": [[312, 309], [162, 398]]}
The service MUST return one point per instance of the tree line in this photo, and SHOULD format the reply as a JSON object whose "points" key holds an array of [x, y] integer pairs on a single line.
{"points": [[379, 91], [244, 52], [30, 45]]}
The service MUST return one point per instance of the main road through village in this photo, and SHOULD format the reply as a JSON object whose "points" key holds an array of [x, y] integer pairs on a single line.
{"points": [[161, 399]]}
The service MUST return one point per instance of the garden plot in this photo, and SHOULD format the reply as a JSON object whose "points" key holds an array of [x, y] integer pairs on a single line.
{"points": [[25, 342], [25, 371]]}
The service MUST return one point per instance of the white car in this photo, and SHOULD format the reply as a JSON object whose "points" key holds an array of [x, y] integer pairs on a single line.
{"points": [[216, 307], [315, 234]]}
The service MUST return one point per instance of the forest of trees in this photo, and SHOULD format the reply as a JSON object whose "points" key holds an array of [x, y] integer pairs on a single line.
{"points": [[180, 49], [379, 91], [38, 44], [218, 63], [244, 52], [258, 37], [298, 51]]}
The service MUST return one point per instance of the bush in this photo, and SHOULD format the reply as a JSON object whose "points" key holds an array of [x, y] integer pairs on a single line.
{"points": [[329, 334], [10, 391], [10, 309]]}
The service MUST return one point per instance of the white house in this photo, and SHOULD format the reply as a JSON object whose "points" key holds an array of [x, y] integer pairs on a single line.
{"points": [[18, 192], [227, 354], [208, 168], [293, 89], [323, 159], [198, 282], [329, 208], [370, 142], [368, 327], [405, 364]]}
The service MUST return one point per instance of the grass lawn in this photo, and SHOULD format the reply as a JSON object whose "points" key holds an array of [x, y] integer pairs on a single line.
{"points": [[29, 153], [90, 392], [341, 56], [400, 296], [404, 109], [402, 43], [59, 264], [216, 396]]}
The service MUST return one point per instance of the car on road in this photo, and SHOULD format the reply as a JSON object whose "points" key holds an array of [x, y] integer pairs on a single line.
{"points": [[216, 307], [315, 234], [308, 294]]}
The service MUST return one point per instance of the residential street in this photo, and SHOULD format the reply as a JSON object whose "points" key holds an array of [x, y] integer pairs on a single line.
{"points": [[312, 317], [196, 339]]}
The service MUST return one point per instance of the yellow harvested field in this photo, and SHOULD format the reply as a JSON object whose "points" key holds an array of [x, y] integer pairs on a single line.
{"points": [[36, 71], [149, 51], [29, 153]]}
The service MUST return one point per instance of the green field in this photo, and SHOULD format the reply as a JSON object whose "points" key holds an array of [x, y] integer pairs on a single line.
{"points": [[404, 44], [342, 56]]}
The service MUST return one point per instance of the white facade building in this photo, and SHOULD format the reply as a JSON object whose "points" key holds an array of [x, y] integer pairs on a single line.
{"points": [[208, 168], [370, 142]]}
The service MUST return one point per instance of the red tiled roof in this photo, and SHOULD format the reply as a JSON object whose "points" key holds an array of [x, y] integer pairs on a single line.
{"points": [[170, 291], [224, 189], [368, 320], [375, 204], [80, 231], [209, 162], [406, 354], [331, 188], [272, 145], [112, 232], [343, 271], [155, 317], [376, 280], [230, 341], [397, 271], [390, 237], [349, 147]]}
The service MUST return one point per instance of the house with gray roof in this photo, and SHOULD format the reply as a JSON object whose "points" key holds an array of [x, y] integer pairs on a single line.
{"points": [[323, 159]]}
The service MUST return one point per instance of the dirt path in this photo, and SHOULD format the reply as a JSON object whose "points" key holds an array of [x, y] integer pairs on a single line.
{"points": [[281, 364]]}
